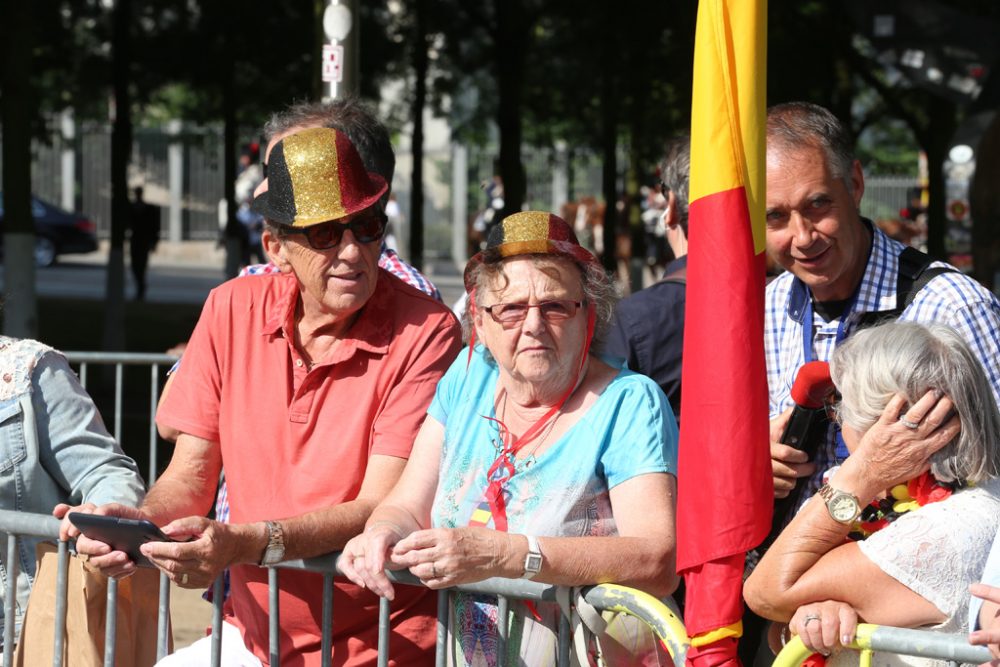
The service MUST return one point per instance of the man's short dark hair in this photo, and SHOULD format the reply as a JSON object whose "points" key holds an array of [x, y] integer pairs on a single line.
{"points": [[352, 117], [675, 172], [797, 124]]}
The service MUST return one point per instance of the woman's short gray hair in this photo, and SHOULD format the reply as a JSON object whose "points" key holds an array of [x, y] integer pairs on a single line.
{"points": [[911, 359], [598, 289]]}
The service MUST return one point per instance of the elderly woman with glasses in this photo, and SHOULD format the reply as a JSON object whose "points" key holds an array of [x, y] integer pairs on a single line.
{"points": [[901, 529], [538, 460]]}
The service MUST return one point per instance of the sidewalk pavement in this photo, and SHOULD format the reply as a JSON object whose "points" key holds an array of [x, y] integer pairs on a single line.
{"points": [[184, 254], [208, 255]]}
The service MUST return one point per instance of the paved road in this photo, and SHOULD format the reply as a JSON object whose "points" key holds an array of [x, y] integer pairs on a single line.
{"points": [[165, 284], [181, 283]]}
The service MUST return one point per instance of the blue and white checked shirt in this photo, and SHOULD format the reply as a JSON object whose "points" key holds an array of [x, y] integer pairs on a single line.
{"points": [[950, 298]]}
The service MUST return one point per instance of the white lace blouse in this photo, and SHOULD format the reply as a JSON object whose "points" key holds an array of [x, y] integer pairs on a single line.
{"points": [[936, 552]]}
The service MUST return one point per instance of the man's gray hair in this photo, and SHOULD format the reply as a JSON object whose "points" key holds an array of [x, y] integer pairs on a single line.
{"points": [[675, 173], [598, 289], [911, 359], [351, 116], [797, 124]]}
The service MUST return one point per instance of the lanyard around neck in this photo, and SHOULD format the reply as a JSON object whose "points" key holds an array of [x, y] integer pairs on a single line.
{"points": [[503, 467], [808, 353]]}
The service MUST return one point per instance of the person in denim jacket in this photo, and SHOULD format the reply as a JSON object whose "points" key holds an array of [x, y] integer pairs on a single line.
{"points": [[55, 453]]}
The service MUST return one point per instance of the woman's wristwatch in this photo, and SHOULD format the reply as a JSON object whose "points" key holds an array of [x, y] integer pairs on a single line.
{"points": [[533, 561], [843, 507]]}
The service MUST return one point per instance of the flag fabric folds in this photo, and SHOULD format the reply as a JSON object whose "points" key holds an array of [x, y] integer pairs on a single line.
{"points": [[724, 477]]}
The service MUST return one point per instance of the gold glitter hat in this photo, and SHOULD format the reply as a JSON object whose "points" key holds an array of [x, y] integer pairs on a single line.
{"points": [[529, 233], [314, 176]]}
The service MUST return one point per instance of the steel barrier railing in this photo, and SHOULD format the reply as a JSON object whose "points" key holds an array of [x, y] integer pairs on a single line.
{"points": [[903, 641], [661, 619]]}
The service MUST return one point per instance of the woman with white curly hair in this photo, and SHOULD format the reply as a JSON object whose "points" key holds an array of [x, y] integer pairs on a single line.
{"points": [[902, 528]]}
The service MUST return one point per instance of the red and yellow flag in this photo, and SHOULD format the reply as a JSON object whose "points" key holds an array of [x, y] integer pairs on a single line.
{"points": [[725, 488]]}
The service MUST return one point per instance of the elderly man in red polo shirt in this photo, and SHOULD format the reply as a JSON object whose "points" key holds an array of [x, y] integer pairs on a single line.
{"points": [[350, 356]]}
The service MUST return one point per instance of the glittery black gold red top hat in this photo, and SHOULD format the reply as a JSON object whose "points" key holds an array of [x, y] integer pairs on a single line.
{"points": [[529, 233], [314, 176]]}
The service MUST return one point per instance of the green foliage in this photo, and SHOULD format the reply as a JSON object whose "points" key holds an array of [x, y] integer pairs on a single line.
{"points": [[889, 148], [185, 52]]}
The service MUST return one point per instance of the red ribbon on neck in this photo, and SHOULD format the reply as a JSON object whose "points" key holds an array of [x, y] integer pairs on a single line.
{"points": [[503, 468]]}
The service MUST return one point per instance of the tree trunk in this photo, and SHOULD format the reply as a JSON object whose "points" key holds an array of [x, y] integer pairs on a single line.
{"points": [[984, 201], [609, 168], [20, 311], [509, 56], [941, 124], [420, 63], [319, 37], [121, 148], [235, 235]]}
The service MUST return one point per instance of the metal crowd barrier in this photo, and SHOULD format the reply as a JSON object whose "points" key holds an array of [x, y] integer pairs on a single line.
{"points": [[660, 618], [156, 362], [663, 621], [903, 641]]}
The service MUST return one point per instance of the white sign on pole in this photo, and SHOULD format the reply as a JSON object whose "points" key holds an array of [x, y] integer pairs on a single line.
{"points": [[333, 63]]}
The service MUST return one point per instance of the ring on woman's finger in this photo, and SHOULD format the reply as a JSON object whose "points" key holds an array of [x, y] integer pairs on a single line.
{"points": [[908, 424], [184, 579], [809, 618]]}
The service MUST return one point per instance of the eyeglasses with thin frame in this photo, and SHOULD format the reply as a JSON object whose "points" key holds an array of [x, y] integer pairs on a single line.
{"points": [[511, 314], [368, 228]]}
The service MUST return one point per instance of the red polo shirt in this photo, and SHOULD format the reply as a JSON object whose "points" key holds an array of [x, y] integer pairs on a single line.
{"points": [[295, 440]]}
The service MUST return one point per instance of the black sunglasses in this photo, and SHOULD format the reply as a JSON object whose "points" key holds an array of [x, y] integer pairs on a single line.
{"points": [[366, 229]]}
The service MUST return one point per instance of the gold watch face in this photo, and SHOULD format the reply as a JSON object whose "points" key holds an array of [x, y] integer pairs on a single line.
{"points": [[843, 508]]}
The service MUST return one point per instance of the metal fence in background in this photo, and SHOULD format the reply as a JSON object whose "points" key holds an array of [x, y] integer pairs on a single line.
{"points": [[182, 169], [182, 166], [886, 195]]}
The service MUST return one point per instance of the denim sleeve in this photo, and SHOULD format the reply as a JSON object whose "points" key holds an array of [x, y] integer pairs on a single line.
{"points": [[74, 446], [991, 576]]}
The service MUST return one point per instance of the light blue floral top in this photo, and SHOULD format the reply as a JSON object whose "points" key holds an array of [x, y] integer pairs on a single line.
{"points": [[629, 431]]}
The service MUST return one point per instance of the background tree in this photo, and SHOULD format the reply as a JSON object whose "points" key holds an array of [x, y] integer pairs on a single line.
{"points": [[20, 311], [121, 151]]}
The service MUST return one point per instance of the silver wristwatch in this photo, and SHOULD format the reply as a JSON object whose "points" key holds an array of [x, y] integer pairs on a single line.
{"points": [[274, 553], [533, 561], [843, 507]]}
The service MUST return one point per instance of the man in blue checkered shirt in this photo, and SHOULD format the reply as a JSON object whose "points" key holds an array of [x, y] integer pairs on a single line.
{"points": [[838, 267]]}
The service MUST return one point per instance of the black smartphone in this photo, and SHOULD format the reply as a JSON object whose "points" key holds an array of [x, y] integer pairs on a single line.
{"points": [[121, 533]]}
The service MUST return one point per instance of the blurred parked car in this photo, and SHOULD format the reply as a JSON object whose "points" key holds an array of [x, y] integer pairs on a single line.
{"points": [[57, 232]]}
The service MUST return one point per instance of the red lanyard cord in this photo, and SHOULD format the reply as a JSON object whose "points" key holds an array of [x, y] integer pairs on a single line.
{"points": [[503, 467]]}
